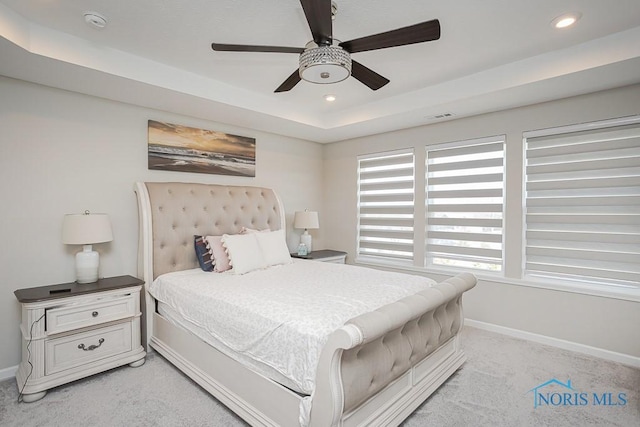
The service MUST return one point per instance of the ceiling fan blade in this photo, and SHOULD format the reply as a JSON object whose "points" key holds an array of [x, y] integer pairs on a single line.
{"points": [[367, 76], [318, 14], [248, 48], [288, 84], [418, 33]]}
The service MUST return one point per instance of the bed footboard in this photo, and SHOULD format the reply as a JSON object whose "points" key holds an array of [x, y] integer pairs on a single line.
{"points": [[382, 352]]}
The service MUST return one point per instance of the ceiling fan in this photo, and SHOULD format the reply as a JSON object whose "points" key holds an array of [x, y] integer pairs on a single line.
{"points": [[328, 60]]}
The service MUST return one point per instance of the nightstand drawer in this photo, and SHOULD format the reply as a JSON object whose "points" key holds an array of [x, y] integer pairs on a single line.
{"points": [[95, 312], [79, 349]]}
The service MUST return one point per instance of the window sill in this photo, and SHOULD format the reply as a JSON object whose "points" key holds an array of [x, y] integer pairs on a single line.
{"points": [[614, 292]]}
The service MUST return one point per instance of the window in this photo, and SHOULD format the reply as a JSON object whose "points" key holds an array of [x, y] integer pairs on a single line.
{"points": [[465, 204], [386, 206], [582, 193]]}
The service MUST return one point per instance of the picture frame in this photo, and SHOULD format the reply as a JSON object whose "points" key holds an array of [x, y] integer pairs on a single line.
{"points": [[181, 148]]}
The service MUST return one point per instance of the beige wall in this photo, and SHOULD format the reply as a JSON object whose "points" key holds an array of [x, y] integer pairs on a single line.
{"points": [[61, 152], [605, 323]]}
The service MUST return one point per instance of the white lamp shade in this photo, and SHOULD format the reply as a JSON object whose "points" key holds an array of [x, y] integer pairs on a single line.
{"points": [[86, 229], [307, 220]]}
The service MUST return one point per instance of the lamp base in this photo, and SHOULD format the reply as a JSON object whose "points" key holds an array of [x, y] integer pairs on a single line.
{"points": [[306, 239], [87, 263]]}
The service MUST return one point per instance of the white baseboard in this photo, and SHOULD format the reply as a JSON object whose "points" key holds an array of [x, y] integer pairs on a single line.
{"points": [[9, 372], [613, 356]]}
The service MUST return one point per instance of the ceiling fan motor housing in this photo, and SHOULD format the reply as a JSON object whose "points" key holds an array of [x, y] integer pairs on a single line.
{"points": [[325, 64]]}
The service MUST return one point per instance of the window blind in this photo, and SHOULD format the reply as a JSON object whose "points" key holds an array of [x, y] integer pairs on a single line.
{"points": [[386, 206], [582, 214], [465, 204]]}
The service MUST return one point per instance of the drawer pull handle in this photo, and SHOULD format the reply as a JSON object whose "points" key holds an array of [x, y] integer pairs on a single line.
{"points": [[91, 347], [94, 314]]}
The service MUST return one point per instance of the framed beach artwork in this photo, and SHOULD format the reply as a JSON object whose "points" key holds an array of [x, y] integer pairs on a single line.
{"points": [[186, 149]]}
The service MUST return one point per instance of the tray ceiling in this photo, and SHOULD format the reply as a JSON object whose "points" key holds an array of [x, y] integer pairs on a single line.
{"points": [[492, 55]]}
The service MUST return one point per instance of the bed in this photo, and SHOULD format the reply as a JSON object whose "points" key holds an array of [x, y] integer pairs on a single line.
{"points": [[374, 369]]}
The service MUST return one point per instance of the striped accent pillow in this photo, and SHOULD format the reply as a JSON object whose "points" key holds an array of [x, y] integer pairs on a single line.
{"points": [[202, 253]]}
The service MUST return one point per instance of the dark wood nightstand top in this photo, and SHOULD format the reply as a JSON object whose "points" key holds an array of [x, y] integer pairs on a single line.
{"points": [[64, 290], [324, 253]]}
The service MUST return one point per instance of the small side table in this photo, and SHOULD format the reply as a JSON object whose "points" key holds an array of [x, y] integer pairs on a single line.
{"points": [[324, 255], [71, 331]]}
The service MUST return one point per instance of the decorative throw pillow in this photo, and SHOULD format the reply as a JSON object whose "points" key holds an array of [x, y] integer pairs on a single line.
{"points": [[274, 247], [202, 253], [244, 252], [219, 254]]}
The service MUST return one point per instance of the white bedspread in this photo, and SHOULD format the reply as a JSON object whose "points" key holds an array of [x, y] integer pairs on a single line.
{"points": [[281, 316]]}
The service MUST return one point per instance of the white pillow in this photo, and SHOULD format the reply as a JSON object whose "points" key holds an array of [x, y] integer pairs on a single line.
{"points": [[244, 252], [274, 247]]}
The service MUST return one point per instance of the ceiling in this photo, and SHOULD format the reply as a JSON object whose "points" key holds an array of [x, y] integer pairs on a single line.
{"points": [[492, 55]]}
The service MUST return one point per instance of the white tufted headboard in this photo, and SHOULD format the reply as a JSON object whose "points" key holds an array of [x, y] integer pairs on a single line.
{"points": [[171, 213]]}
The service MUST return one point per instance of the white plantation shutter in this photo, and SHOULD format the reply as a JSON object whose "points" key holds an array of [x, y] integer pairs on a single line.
{"points": [[465, 204], [386, 206], [582, 194]]}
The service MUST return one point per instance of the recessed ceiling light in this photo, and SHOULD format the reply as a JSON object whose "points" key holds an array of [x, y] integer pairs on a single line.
{"points": [[329, 98], [95, 20], [566, 20]]}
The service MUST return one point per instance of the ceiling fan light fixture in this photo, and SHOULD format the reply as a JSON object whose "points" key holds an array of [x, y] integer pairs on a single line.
{"points": [[324, 64]]}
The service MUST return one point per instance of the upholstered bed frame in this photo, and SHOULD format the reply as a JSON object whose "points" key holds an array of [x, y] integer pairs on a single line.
{"points": [[375, 370]]}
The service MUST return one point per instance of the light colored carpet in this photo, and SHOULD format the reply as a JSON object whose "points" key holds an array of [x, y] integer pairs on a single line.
{"points": [[491, 389]]}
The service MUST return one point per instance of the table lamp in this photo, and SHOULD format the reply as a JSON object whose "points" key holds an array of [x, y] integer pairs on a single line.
{"points": [[309, 221], [86, 229]]}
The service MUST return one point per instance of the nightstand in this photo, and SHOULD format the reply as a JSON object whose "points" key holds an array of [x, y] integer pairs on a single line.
{"points": [[71, 331], [324, 255]]}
